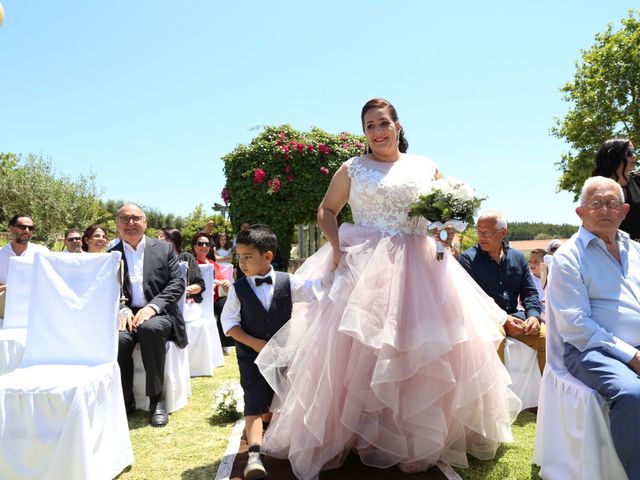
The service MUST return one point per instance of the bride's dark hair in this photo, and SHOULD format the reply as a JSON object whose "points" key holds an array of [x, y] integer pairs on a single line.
{"points": [[403, 145]]}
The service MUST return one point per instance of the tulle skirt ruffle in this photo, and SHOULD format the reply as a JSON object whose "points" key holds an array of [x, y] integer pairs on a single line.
{"points": [[396, 360]]}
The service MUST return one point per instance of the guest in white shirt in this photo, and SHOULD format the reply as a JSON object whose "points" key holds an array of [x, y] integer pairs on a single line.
{"points": [[594, 296], [536, 261], [21, 229]]}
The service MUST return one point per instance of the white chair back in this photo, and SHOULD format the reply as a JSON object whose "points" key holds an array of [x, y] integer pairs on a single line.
{"points": [[555, 344], [207, 296], [19, 280], [74, 310], [184, 267]]}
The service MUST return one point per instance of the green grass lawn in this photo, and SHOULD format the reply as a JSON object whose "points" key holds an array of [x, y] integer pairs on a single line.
{"points": [[192, 445]]}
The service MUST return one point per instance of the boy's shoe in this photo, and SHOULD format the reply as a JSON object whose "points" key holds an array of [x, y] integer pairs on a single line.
{"points": [[255, 468]]}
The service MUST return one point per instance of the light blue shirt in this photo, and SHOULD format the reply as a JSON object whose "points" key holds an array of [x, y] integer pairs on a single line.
{"points": [[596, 300]]}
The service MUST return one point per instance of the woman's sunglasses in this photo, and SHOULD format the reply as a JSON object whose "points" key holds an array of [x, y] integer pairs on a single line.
{"points": [[631, 152], [203, 244]]}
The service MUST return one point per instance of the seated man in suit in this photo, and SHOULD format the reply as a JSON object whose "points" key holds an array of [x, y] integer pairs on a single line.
{"points": [[150, 315], [503, 273], [593, 293]]}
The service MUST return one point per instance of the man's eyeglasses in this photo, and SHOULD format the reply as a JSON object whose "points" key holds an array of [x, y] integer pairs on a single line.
{"points": [[487, 234], [203, 244], [130, 218], [612, 204], [74, 239], [631, 152], [24, 227]]}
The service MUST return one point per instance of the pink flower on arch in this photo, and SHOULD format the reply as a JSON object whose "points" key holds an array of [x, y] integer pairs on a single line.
{"points": [[274, 185], [259, 176], [226, 195], [324, 170], [310, 148], [345, 146], [289, 177]]}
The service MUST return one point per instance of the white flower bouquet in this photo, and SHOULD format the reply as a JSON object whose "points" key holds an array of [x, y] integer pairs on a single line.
{"points": [[229, 401], [450, 203]]}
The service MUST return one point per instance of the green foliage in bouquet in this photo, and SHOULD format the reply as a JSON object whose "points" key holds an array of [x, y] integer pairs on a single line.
{"points": [[454, 201]]}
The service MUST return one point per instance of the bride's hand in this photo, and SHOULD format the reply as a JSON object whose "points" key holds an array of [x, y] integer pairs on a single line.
{"points": [[337, 257]]}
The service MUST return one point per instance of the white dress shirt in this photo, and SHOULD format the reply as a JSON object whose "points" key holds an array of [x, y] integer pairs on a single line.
{"points": [[594, 298], [301, 291], [7, 252], [135, 266]]}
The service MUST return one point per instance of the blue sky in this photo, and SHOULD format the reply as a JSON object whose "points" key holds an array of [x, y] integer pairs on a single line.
{"points": [[150, 95]]}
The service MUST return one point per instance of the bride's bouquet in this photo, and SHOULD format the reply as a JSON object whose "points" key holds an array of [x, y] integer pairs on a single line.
{"points": [[229, 401], [450, 203]]}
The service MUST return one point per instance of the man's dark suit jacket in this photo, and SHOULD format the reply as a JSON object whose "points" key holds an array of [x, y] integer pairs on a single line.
{"points": [[162, 283]]}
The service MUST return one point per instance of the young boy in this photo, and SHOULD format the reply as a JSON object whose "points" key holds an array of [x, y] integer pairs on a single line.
{"points": [[258, 305], [536, 264]]}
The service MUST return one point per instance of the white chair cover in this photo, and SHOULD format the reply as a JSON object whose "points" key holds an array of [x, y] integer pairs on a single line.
{"points": [[205, 349], [573, 438], [521, 362], [19, 280], [61, 411], [226, 270], [177, 383], [177, 378], [14, 332]]}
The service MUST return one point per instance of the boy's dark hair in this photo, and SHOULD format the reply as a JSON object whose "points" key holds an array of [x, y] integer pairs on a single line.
{"points": [[259, 236]]}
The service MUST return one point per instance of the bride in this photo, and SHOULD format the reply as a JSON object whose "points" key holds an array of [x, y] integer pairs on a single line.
{"points": [[397, 359]]}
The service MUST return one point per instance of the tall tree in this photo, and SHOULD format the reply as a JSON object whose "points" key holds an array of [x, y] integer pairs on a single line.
{"points": [[605, 98], [30, 185]]}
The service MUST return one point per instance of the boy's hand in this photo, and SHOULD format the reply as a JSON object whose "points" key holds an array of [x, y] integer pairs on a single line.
{"points": [[259, 344]]}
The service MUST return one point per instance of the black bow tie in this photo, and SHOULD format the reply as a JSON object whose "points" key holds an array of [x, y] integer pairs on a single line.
{"points": [[260, 281]]}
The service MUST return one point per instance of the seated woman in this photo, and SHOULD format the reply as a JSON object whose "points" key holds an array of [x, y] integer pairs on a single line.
{"points": [[195, 282], [201, 244], [94, 239]]}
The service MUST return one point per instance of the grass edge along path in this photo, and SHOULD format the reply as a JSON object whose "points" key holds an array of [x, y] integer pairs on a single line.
{"points": [[193, 444]]}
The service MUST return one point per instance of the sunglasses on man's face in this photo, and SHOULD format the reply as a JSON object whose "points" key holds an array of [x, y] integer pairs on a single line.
{"points": [[24, 227], [74, 239], [203, 244]]}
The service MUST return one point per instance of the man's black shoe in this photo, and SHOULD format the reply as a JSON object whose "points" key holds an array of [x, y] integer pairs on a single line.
{"points": [[159, 415]]}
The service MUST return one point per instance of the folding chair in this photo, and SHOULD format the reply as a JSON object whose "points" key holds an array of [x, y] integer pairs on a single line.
{"points": [[13, 334], [61, 411]]}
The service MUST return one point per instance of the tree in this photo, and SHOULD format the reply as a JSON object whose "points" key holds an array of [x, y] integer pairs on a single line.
{"points": [[196, 221], [605, 98], [31, 185], [281, 177]]}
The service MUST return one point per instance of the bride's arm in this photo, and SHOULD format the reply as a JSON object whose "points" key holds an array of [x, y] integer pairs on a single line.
{"points": [[334, 200]]}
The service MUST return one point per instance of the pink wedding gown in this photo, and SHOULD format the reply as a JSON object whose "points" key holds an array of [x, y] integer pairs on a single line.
{"points": [[397, 359]]}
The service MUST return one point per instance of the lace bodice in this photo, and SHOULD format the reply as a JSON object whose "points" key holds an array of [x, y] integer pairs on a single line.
{"points": [[381, 193]]}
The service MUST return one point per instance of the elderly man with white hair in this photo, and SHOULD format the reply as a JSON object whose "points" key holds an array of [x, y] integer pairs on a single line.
{"points": [[594, 294], [503, 273]]}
